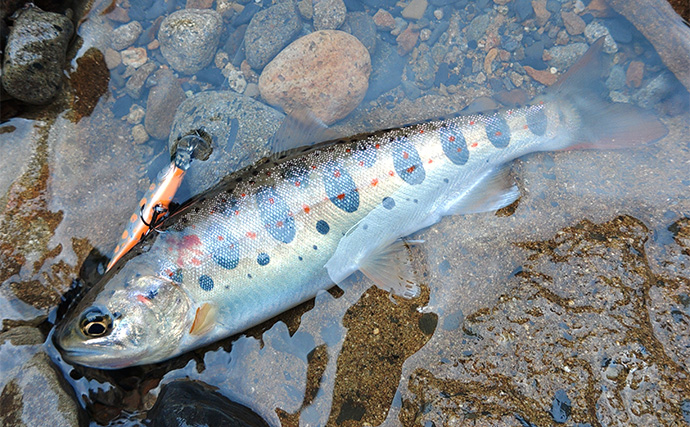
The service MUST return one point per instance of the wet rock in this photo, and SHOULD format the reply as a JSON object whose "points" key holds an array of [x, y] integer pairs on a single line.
{"points": [[191, 403], [269, 31], [384, 20], [329, 14], [595, 30], [362, 26], [306, 9], [134, 57], [415, 9], [407, 40], [634, 74], [125, 35], [326, 71], [239, 126], [139, 134], [163, 100], [477, 27], [656, 90], [523, 8], [620, 30], [573, 23], [189, 38], [22, 335], [387, 69], [562, 57], [35, 54], [34, 392], [616, 79], [664, 29], [544, 77], [112, 58], [541, 12], [425, 70], [135, 84]]}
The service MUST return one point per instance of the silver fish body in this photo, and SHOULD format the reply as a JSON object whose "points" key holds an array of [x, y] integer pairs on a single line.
{"points": [[278, 232]]}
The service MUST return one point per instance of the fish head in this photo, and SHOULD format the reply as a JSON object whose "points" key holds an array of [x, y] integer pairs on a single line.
{"points": [[129, 318]]}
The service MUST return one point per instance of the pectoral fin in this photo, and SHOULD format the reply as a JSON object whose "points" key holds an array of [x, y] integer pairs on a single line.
{"points": [[493, 191], [391, 269], [204, 319]]}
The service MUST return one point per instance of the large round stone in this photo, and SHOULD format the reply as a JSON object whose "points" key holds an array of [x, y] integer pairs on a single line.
{"points": [[189, 38], [326, 72]]}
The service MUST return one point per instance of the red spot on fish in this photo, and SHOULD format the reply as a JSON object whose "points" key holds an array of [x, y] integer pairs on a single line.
{"points": [[347, 150], [190, 240], [279, 224], [471, 122], [361, 162], [405, 155], [341, 196], [336, 174], [220, 237], [251, 234], [237, 212], [510, 112], [525, 127], [430, 161], [374, 182], [297, 184], [270, 200], [268, 173], [410, 169], [377, 146], [313, 166], [474, 144], [451, 138], [498, 133], [305, 208], [196, 261], [541, 102], [391, 173], [142, 299], [421, 131], [243, 195], [459, 149]]}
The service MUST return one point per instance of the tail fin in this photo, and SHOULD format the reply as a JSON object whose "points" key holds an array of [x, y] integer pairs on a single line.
{"points": [[605, 125]]}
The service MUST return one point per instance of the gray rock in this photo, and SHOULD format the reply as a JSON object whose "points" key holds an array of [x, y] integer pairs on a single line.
{"points": [[269, 31], [562, 57], [239, 126], [424, 70], [22, 335], [35, 394], [35, 54], [362, 26], [595, 30], [478, 27], [616, 79], [125, 35], [163, 100], [329, 14], [135, 84], [189, 38], [386, 70], [655, 91]]}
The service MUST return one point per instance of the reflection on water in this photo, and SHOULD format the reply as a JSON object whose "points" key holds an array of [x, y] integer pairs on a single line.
{"points": [[570, 306]]}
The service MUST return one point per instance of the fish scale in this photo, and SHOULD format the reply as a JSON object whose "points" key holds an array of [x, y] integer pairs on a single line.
{"points": [[274, 234]]}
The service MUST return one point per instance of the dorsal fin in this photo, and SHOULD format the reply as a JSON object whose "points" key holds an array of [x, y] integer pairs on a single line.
{"points": [[300, 128]]}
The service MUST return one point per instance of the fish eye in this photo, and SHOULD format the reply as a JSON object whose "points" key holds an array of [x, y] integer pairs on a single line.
{"points": [[94, 323]]}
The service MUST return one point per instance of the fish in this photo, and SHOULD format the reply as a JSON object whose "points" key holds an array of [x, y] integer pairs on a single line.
{"points": [[277, 232]]}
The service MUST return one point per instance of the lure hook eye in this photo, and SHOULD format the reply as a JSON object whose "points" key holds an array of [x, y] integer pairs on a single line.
{"points": [[95, 323]]}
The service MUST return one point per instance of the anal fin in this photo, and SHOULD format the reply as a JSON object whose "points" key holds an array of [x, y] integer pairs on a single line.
{"points": [[391, 269], [493, 191]]}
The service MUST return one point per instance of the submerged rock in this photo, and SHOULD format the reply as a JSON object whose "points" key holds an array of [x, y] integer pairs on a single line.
{"points": [[189, 38], [326, 72], [191, 403], [35, 54], [239, 126], [163, 100], [329, 14], [269, 32]]}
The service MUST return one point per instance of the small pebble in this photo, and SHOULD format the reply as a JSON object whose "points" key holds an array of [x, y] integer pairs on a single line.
{"points": [[155, 44], [438, 14], [134, 57], [252, 90], [112, 58], [329, 14], [541, 12], [139, 134], [407, 41], [573, 23], [136, 114], [384, 20], [595, 30], [125, 35], [306, 9], [635, 73], [425, 34], [415, 9]]}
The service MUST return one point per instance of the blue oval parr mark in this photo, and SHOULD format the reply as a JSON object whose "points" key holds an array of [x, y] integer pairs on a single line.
{"points": [[498, 131], [536, 120], [226, 253], [263, 259], [297, 175], [177, 276], [365, 155], [340, 187], [388, 203], [322, 227], [205, 282], [454, 145], [275, 215], [407, 162]]}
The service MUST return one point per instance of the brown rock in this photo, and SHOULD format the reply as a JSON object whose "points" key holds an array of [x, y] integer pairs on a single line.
{"points": [[415, 9], [118, 14], [633, 77], [407, 40], [664, 29], [573, 23], [384, 20], [199, 4], [112, 58], [134, 56], [544, 77], [162, 103], [489, 59], [326, 72], [540, 11]]}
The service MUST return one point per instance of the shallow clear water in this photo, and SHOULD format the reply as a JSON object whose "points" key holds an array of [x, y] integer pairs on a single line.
{"points": [[580, 288]]}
